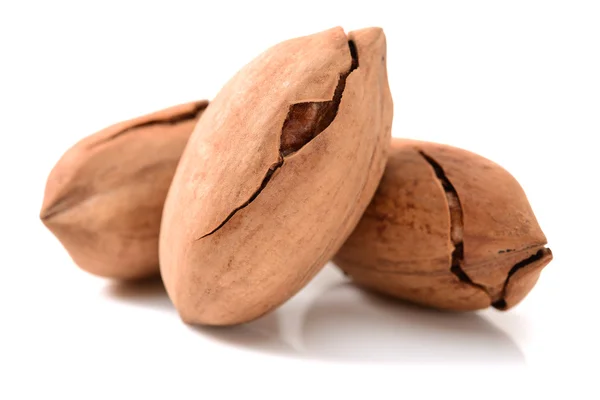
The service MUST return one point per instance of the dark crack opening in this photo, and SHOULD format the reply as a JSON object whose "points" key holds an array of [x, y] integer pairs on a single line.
{"points": [[501, 304], [79, 195], [173, 120], [456, 223], [303, 123], [263, 184]]}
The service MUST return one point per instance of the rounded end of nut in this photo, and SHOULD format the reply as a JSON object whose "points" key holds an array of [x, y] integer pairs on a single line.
{"points": [[522, 279]]}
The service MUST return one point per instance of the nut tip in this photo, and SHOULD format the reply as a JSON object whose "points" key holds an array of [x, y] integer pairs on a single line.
{"points": [[523, 280]]}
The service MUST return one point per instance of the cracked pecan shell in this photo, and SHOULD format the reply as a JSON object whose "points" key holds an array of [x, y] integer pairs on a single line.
{"points": [[276, 175], [104, 197], [447, 229]]}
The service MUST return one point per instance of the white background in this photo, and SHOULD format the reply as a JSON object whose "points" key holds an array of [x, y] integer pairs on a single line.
{"points": [[516, 81]]}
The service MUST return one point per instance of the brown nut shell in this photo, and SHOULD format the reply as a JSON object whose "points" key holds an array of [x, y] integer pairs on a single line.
{"points": [[276, 175], [447, 229], [104, 197]]}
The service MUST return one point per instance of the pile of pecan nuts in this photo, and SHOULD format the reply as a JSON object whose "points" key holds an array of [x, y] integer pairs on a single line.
{"points": [[240, 202]]}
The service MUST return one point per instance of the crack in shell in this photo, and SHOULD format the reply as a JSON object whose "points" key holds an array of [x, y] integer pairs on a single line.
{"points": [[456, 234], [79, 195], [303, 123], [501, 303], [174, 120], [456, 223]]}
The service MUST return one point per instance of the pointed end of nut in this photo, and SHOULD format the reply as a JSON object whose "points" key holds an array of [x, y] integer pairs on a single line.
{"points": [[48, 209], [56, 203], [44, 216], [370, 44], [523, 280], [367, 34]]}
